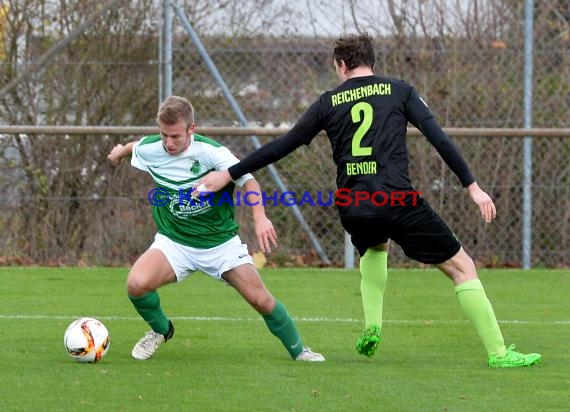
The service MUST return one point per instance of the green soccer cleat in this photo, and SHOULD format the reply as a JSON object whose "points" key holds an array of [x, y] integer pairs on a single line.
{"points": [[513, 359], [367, 343]]}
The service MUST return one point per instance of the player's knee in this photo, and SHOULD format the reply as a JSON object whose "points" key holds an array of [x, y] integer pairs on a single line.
{"points": [[263, 302], [465, 263], [135, 285], [460, 268]]}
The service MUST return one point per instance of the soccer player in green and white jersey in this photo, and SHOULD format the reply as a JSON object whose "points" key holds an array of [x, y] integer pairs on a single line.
{"points": [[197, 234], [366, 120]]}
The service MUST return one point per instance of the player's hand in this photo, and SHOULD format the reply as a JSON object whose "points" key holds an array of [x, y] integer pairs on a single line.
{"points": [[266, 235], [213, 181], [484, 201], [116, 154]]}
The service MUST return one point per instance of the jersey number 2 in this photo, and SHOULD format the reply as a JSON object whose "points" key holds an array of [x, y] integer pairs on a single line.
{"points": [[361, 112]]}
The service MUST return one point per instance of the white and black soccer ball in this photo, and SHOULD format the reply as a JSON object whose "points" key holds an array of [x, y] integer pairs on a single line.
{"points": [[86, 340]]}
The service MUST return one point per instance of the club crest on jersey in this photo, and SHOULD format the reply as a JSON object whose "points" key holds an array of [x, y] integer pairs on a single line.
{"points": [[195, 166]]}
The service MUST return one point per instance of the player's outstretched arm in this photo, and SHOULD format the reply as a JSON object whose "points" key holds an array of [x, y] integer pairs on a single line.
{"points": [[266, 235], [450, 154], [214, 181], [120, 151], [265, 155], [484, 201]]}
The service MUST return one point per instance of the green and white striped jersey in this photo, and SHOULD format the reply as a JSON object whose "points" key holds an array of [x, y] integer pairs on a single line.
{"points": [[183, 219]]}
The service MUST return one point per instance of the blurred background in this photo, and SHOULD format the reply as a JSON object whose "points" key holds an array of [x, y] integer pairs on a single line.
{"points": [[480, 65]]}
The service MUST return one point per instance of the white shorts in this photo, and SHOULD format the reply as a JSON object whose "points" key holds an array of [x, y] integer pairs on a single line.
{"points": [[214, 261]]}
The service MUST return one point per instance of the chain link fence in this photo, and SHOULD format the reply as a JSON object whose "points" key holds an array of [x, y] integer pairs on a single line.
{"points": [[464, 57]]}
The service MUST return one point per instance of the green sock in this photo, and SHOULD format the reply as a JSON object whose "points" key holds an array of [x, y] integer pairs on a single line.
{"points": [[374, 275], [478, 310], [281, 325], [148, 306]]}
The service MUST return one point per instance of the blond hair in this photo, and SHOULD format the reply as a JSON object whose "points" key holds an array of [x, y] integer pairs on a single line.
{"points": [[173, 109]]}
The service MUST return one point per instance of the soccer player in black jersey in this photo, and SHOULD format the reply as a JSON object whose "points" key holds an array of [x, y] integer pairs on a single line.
{"points": [[365, 119]]}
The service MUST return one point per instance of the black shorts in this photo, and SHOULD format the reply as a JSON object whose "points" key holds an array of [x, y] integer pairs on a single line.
{"points": [[419, 231]]}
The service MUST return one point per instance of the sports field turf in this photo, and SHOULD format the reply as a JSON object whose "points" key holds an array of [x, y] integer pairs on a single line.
{"points": [[222, 357]]}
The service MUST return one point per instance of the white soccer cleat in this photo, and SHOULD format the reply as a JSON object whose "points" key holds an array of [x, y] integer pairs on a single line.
{"points": [[147, 345], [307, 355], [150, 342]]}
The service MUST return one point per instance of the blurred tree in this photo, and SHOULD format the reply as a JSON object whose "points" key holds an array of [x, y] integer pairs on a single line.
{"points": [[107, 75]]}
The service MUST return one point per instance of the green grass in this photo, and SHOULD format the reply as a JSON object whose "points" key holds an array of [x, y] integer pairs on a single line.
{"points": [[222, 357]]}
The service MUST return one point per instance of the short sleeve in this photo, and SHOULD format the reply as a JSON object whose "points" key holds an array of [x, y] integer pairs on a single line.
{"points": [[223, 159], [136, 159]]}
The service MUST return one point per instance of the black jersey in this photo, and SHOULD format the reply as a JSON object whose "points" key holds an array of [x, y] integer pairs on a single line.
{"points": [[366, 120]]}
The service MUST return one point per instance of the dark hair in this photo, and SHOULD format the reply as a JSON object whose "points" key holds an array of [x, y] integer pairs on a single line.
{"points": [[356, 50], [173, 109]]}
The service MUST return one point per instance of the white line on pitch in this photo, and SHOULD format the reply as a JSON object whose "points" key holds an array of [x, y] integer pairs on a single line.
{"points": [[298, 319]]}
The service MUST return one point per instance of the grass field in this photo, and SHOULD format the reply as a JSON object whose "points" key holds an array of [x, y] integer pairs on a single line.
{"points": [[222, 357]]}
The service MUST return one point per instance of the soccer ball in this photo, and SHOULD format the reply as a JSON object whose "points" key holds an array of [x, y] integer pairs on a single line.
{"points": [[86, 340]]}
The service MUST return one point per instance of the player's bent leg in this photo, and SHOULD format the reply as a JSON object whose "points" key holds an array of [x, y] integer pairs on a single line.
{"points": [[478, 310], [246, 280], [149, 272]]}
